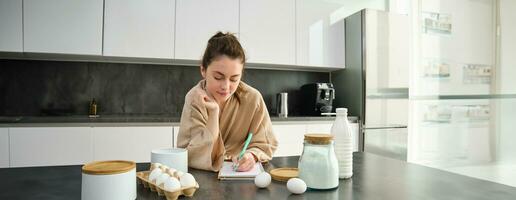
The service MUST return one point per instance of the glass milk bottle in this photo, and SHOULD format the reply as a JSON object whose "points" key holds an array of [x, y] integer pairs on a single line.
{"points": [[343, 146], [318, 166]]}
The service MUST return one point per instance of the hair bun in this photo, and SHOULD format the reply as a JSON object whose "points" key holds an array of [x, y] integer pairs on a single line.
{"points": [[220, 44], [219, 34]]}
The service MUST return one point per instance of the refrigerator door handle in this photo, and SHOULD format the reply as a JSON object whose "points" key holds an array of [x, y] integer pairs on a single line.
{"points": [[389, 126]]}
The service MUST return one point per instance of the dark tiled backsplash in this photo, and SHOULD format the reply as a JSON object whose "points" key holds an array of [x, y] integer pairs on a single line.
{"points": [[35, 88]]}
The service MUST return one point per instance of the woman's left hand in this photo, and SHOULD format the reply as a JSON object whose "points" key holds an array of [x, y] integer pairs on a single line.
{"points": [[246, 163]]}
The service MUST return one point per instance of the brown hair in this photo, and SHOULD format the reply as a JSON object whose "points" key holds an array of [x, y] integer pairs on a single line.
{"points": [[224, 44]]}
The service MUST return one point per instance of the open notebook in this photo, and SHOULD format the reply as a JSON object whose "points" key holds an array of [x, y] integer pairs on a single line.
{"points": [[227, 172]]}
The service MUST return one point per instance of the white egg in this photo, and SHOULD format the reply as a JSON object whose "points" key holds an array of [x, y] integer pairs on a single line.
{"points": [[187, 180], [171, 174], [171, 171], [154, 166], [163, 168], [296, 186], [179, 173], [154, 174], [172, 184], [162, 178], [262, 180]]}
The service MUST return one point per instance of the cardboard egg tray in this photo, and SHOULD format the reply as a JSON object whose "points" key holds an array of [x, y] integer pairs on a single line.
{"points": [[143, 178]]}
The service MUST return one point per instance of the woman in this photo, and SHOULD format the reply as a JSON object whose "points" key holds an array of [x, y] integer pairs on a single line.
{"points": [[221, 110]]}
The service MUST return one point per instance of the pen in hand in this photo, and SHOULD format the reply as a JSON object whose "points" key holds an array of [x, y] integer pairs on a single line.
{"points": [[247, 141]]}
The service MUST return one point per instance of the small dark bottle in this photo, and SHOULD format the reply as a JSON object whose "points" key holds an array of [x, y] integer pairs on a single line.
{"points": [[93, 108]]}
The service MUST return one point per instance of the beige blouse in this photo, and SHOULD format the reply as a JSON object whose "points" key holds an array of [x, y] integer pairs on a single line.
{"points": [[241, 115]]}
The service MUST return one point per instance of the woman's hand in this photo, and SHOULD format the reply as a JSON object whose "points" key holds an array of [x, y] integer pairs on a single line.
{"points": [[210, 104], [246, 163]]}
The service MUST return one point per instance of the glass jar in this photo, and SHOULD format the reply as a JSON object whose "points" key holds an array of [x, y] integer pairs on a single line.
{"points": [[318, 165]]}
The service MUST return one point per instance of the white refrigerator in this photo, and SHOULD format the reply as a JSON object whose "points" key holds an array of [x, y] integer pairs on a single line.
{"points": [[374, 85]]}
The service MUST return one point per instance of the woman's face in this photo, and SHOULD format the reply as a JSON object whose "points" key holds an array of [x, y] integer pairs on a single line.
{"points": [[222, 77]]}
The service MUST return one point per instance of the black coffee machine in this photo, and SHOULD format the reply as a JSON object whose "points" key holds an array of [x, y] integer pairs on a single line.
{"points": [[317, 98]]}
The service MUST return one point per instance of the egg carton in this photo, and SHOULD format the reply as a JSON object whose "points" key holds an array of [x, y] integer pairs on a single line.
{"points": [[143, 178]]}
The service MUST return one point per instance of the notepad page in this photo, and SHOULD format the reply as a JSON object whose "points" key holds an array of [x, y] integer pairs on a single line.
{"points": [[227, 171]]}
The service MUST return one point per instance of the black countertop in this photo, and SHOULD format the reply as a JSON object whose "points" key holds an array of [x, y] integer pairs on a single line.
{"points": [[374, 177], [133, 118], [86, 119]]}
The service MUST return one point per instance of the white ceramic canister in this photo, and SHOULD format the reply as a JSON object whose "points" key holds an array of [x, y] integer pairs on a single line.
{"points": [[318, 165], [109, 180], [176, 158]]}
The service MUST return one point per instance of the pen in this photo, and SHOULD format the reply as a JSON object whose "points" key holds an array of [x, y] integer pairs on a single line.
{"points": [[247, 141]]}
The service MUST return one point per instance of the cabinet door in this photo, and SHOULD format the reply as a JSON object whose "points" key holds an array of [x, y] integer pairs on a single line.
{"points": [[44, 146], [198, 20], [267, 31], [63, 26], [129, 143], [319, 127], [320, 33], [290, 139], [4, 147], [11, 23], [139, 28]]}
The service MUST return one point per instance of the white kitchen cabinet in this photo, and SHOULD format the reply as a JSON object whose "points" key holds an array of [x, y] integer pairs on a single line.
{"points": [[4, 147], [11, 26], [290, 139], [291, 136], [267, 31], [139, 28], [63, 26], [130, 143], [320, 33], [198, 20], [320, 30], [323, 127], [43, 146]]}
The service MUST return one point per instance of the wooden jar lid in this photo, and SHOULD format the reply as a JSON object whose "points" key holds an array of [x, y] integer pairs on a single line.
{"points": [[108, 167], [283, 174], [318, 138]]}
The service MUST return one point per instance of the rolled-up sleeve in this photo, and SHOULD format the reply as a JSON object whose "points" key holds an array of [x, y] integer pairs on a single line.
{"points": [[198, 139], [264, 143]]}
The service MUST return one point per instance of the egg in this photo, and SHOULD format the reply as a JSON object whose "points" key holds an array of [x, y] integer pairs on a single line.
{"points": [[262, 180], [171, 171], [162, 178], [171, 174], [296, 186], [154, 174], [172, 184], [179, 173], [163, 168], [154, 166], [187, 180]]}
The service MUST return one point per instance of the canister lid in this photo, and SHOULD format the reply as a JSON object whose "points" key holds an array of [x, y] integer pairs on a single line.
{"points": [[284, 174], [108, 167], [315, 138]]}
